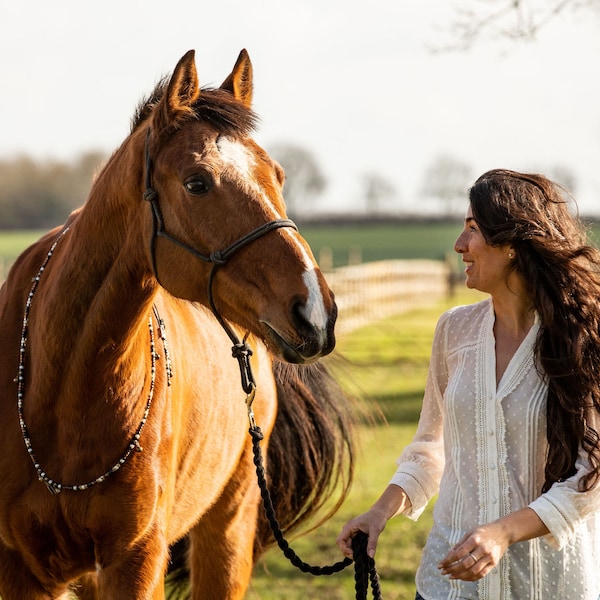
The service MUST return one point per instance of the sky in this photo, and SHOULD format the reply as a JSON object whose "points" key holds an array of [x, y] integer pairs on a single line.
{"points": [[355, 84]]}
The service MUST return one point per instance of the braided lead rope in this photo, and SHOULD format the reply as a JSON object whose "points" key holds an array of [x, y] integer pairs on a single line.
{"points": [[364, 566]]}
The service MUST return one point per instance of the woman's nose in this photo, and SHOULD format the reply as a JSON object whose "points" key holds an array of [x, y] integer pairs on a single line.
{"points": [[459, 245]]}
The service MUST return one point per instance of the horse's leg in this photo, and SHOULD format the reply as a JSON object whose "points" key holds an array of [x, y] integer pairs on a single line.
{"points": [[16, 580], [137, 574], [221, 545]]}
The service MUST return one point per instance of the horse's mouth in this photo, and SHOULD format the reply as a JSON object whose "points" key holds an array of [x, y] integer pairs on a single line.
{"points": [[307, 351]]}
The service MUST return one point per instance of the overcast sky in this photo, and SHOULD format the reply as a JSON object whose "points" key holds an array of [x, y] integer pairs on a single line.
{"points": [[352, 82]]}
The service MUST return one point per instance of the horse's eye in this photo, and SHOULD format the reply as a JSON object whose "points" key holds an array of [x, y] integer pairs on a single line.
{"points": [[197, 185]]}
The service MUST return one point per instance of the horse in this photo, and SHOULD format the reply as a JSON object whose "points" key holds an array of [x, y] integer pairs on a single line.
{"points": [[124, 430]]}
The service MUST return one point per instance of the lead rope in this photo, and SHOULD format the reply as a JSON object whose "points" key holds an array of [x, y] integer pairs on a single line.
{"points": [[364, 565]]}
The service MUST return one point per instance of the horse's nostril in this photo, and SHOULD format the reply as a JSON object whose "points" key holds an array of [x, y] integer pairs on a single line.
{"points": [[301, 318], [317, 336]]}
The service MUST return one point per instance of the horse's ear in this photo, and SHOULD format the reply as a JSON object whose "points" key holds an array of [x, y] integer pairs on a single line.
{"points": [[239, 82], [183, 90]]}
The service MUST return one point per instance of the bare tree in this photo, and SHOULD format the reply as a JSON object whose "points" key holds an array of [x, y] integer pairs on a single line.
{"points": [[507, 19], [304, 180], [446, 181], [378, 192]]}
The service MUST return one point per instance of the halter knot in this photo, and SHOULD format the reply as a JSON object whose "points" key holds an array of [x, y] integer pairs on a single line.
{"points": [[256, 433], [150, 195], [241, 350], [217, 258]]}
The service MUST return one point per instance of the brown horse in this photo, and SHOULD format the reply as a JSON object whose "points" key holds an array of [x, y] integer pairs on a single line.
{"points": [[123, 425]]}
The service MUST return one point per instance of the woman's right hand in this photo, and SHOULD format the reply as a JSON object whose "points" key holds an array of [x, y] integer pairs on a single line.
{"points": [[393, 501], [372, 523]]}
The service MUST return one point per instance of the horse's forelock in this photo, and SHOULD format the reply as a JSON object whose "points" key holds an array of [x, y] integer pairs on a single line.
{"points": [[215, 106]]}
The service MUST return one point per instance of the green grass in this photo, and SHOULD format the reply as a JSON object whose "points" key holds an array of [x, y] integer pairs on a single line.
{"points": [[386, 365], [383, 241], [12, 243], [377, 241], [400, 240]]}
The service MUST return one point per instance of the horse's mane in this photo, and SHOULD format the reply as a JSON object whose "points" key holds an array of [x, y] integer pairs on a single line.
{"points": [[214, 105]]}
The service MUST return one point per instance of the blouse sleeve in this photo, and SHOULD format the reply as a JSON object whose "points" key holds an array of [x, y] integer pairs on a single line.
{"points": [[563, 508], [421, 463]]}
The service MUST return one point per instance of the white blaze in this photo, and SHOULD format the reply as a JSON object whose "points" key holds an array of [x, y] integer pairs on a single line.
{"points": [[239, 160]]}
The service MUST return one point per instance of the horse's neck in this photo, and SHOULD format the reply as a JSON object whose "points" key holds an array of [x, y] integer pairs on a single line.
{"points": [[98, 294]]}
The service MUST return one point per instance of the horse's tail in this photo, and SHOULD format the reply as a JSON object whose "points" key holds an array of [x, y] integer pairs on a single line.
{"points": [[310, 457]]}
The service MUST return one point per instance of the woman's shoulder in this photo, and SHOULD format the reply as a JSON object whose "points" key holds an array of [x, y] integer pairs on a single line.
{"points": [[466, 317], [468, 311]]}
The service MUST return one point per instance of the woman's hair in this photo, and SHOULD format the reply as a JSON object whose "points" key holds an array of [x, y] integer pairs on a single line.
{"points": [[562, 273]]}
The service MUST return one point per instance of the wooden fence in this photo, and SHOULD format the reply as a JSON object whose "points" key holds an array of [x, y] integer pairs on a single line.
{"points": [[371, 291], [368, 292]]}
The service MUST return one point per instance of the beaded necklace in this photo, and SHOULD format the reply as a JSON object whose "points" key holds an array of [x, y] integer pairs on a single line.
{"points": [[134, 444]]}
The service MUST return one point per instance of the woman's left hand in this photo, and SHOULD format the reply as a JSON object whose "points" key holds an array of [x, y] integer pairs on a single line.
{"points": [[477, 553], [481, 549]]}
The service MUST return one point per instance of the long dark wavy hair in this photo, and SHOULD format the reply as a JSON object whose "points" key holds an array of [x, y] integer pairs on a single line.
{"points": [[562, 272]]}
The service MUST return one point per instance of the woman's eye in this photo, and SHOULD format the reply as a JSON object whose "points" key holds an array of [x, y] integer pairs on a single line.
{"points": [[198, 185]]}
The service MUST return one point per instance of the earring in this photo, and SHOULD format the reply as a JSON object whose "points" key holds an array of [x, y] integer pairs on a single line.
{"points": [[511, 255]]}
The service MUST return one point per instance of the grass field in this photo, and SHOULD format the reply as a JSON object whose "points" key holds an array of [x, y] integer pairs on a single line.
{"points": [[378, 241], [385, 366], [401, 240], [384, 241], [375, 241]]}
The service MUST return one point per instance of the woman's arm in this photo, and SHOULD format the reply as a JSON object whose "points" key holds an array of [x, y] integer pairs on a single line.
{"points": [[418, 480]]}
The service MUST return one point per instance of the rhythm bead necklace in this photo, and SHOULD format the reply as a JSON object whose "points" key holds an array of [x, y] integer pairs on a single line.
{"points": [[53, 486]]}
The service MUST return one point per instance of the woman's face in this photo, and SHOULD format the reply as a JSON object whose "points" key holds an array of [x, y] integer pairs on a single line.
{"points": [[487, 267]]}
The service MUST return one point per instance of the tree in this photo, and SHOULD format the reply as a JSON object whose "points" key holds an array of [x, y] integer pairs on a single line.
{"points": [[36, 194], [378, 191], [508, 19], [447, 180], [304, 180]]}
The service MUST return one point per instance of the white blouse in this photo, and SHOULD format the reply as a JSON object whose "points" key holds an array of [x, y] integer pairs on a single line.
{"points": [[483, 447]]}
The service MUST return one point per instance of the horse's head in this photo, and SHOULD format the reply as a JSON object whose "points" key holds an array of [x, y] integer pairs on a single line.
{"points": [[218, 217]]}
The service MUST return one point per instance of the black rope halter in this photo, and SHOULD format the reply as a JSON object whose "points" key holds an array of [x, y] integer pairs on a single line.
{"points": [[241, 351]]}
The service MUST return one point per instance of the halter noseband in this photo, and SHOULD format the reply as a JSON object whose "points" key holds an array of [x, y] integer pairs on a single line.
{"points": [[240, 350]]}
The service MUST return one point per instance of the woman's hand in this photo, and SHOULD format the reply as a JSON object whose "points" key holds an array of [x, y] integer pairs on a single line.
{"points": [[476, 554], [373, 522], [480, 550]]}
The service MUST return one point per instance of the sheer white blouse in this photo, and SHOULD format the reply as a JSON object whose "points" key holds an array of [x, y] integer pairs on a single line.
{"points": [[482, 448]]}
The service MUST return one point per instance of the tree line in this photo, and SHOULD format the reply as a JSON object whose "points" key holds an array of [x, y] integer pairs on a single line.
{"points": [[38, 194], [41, 194]]}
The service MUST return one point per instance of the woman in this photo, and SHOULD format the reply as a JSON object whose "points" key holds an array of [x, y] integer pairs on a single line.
{"points": [[508, 434]]}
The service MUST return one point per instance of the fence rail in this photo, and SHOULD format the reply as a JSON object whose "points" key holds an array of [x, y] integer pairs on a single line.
{"points": [[371, 291]]}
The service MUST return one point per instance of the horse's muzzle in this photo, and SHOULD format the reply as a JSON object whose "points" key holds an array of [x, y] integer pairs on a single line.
{"points": [[307, 343]]}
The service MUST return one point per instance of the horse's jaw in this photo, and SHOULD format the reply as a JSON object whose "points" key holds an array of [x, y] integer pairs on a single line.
{"points": [[299, 350]]}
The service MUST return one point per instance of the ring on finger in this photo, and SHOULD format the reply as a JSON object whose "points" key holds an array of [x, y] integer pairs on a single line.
{"points": [[473, 557]]}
